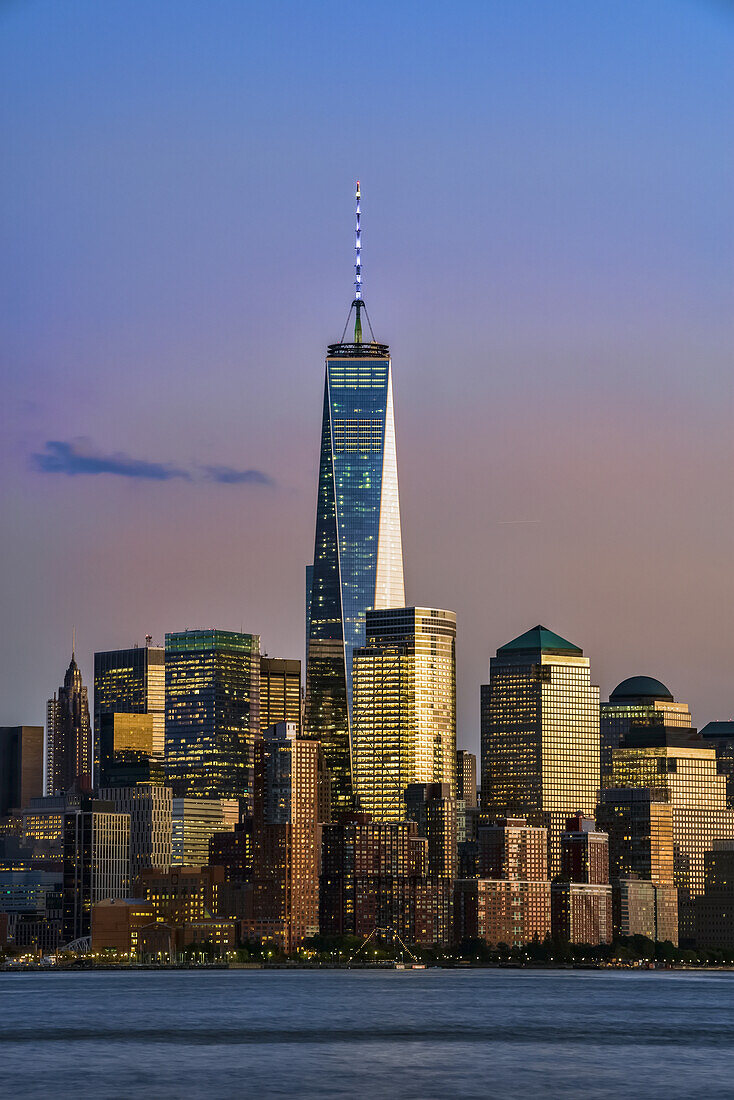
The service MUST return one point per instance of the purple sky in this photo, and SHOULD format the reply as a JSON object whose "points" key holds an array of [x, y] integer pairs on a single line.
{"points": [[548, 201]]}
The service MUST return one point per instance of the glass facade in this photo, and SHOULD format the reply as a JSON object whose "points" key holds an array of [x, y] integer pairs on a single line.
{"points": [[358, 561], [131, 681], [540, 735], [280, 692], [212, 713], [617, 719], [404, 713]]}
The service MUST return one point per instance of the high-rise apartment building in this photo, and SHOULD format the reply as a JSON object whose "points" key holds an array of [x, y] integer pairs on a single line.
{"points": [[150, 808], [404, 707], [581, 901], [679, 765], [131, 681], [540, 735], [21, 766], [280, 692], [96, 862], [212, 713], [433, 809], [286, 837], [68, 749], [358, 556], [466, 778], [637, 701]]}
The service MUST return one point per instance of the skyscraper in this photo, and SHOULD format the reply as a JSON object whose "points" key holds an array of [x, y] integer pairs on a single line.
{"points": [[404, 711], [280, 692], [358, 555], [637, 701], [131, 681], [540, 734], [68, 756], [96, 862], [21, 766], [212, 713]]}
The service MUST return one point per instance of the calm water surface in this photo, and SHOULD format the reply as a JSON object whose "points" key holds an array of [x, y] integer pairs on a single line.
{"points": [[432, 1033]]}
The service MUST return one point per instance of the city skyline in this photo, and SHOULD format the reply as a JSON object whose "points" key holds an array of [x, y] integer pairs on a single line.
{"points": [[557, 295]]}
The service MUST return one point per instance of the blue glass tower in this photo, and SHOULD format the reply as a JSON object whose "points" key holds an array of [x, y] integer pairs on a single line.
{"points": [[358, 555]]}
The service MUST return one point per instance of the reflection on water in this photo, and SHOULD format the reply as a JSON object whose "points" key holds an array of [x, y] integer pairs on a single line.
{"points": [[390, 1033]]}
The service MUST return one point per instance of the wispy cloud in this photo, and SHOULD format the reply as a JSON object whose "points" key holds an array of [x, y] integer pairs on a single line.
{"points": [[79, 457], [227, 475]]}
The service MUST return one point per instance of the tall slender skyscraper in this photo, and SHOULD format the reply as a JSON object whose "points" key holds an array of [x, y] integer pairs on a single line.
{"points": [[358, 554], [131, 681], [68, 755]]}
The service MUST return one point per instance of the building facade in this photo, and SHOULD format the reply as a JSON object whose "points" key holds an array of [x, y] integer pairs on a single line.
{"points": [[466, 778], [96, 862], [358, 555], [540, 735], [21, 766], [150, 809], [404, 707], [581, 901], [132, 681], [194, 823], [280, 692], [212, 713], [68, 748]]}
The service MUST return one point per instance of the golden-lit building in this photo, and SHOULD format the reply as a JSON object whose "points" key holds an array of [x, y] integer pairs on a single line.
{"points": [[681, 767], [540, 735], [637, 701], [639, 823], [280, 692], [132, 681], [403, 707]]}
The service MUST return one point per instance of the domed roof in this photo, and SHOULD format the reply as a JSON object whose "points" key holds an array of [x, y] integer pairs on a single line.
{"points": [[641, 688]]}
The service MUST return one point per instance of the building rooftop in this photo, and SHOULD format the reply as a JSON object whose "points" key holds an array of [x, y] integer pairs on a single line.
{"points": [[657, 737], [718, 731], [543, 640], [640, 689]]}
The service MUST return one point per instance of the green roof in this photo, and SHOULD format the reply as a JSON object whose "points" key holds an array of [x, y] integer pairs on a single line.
{"points": [[543, 640]]}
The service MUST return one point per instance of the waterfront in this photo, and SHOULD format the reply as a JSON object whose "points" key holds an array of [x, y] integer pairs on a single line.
{"points": [[430, 1033]]}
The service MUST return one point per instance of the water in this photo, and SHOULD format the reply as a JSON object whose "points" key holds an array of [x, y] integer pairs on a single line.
{"points": [[431, 1033]]}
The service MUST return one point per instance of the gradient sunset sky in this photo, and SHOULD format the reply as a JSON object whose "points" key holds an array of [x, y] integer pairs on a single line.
{"points": [[548, 231]]}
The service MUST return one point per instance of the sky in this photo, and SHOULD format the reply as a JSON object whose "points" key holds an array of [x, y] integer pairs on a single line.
{"points": [[548, 248]]}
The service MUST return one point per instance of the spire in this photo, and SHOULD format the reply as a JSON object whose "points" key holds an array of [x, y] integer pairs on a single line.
{"points": [[73, 642], [358, 272]]}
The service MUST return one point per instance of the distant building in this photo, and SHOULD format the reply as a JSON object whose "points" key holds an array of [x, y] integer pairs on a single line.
{"points": [[638, 701], [714, 909], [96, 862], [642, 908], [21, 766], [117, 924], [194, 823], [721, 736], [151, 817], [182, 894], [682, 767], [68, 749], [125, 756], [540, 734], [131, 681], [509, 901], [32, 900], [280, 692], [581, 902], [433, 809], [286, 837], [233, 851], [466, 777], [404, 707], [212, 713]]}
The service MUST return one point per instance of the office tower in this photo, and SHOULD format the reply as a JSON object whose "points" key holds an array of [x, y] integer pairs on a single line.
{"points": [[286, 837], [638, 701], [358, 555], [374, 878], [131, 681], [68, 756], [151, 813], [639, 824], [404, 709], [466, 777], [280, 692], [679, 765], [433, 809], [540, 734], [194, 823], [510, 900], [125, 751], [581, 902], [43, 821], [21, 766], [212, 713], [714, 926], [721, 736], [96, 862]]}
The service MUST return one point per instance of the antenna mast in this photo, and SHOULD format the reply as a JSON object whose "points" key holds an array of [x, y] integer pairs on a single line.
{"points": [[358, 272]]}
